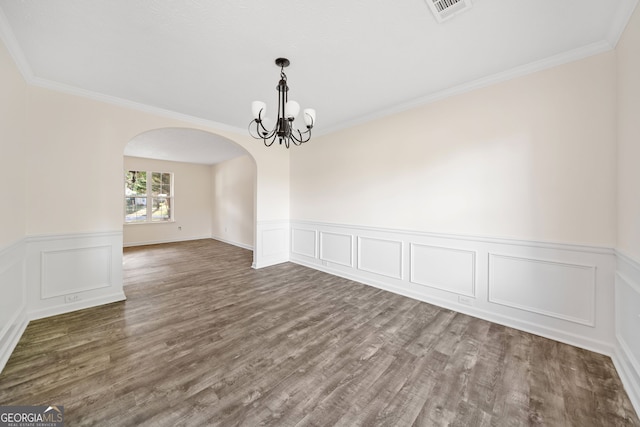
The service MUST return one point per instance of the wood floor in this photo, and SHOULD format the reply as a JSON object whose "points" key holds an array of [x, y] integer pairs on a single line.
{"points": [[203, 339]]}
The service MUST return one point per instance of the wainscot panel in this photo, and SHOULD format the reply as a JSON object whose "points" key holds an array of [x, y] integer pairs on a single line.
{"points": [[380, 256], [73, 271], [627, 354], [336, 248], [544, 287], [561, 291], [61, 270], [13, 304], [303, 242], [448, 269], [272, 243]]}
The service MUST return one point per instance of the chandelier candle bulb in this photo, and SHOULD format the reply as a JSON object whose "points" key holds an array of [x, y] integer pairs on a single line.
{"points": [[309, 117], [292, 109], [259, 109], [285, 130]]}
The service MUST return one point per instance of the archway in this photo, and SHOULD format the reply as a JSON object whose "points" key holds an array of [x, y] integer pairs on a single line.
{"points": [[213, 188]]}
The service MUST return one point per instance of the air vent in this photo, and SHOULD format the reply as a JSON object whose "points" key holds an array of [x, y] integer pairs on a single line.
{"points": [[445, 9]]}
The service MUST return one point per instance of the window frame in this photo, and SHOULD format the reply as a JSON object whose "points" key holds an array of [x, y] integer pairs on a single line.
{"points": [[149, 197]]}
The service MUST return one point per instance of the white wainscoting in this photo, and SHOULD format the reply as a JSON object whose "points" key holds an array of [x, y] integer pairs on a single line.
{"points": [[380, 256], [272, 243], [71, 272], [445, 268], [336, 248], [627, 352], [13, 299], [560, 291], [303, 242], [544, 287]]}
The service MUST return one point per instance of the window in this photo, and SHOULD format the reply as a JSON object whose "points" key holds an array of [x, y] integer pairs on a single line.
{"points": [[148, 200]]}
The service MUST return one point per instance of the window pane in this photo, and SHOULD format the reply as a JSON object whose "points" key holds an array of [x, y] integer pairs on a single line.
{"points": [[136, 209], [161, 210], [148, 192], [135, 183], [161, 184]]}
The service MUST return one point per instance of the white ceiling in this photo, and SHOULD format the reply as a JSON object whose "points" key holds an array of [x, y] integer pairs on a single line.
{"points": [[183, 145], [351, 60]]}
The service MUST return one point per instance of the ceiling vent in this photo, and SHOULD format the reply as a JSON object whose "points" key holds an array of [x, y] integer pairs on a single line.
{"points": [[445, 9]]}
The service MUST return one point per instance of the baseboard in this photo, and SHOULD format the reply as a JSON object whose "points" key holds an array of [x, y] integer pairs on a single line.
{"points": [[75, 306], [162, 241], [13, 333], [628, 373], [231, 242], [268, 262]]}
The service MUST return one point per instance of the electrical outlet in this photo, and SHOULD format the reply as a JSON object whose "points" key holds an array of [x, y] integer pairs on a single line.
{"points": [[465, 300], [71, 298]]}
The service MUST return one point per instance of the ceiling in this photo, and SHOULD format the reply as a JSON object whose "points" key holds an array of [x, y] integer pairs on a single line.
{"points": [[351, 60], [183, 145]]}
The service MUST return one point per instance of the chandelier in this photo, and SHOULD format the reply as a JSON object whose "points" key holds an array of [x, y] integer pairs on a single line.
{"points": [[284, 130]]}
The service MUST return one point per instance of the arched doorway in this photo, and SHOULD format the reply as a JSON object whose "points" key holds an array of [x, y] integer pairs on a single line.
{"points": [[197, 184]]}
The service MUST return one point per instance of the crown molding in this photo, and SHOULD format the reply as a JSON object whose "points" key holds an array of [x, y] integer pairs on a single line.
{"points": [[7, 36], [622, 17], [620, 21], [137, 106]]}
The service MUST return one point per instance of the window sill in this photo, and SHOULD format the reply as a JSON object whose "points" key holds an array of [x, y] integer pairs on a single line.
{"points": [[126, 224]]}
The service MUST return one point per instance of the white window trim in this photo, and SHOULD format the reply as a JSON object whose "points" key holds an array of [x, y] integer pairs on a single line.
{"points": [[149, 197]]}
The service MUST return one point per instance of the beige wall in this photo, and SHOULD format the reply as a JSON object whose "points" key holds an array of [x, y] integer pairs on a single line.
{"points": [[192, 203], [233, 201], [531, 158], [12, 150], [78, 146], [628, 57]]}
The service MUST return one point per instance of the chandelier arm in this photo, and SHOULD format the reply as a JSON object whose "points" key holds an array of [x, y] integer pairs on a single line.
{"points": [[257, 133], [297, 140], [261, 129], [302, 136], [273, 139]]}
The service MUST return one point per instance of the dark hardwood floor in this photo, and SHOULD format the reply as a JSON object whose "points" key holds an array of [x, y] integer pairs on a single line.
{"points": [[203, 339]]}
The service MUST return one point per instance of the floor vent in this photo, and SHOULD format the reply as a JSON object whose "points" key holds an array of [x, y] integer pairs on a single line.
{"points": [[445, 9]]}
